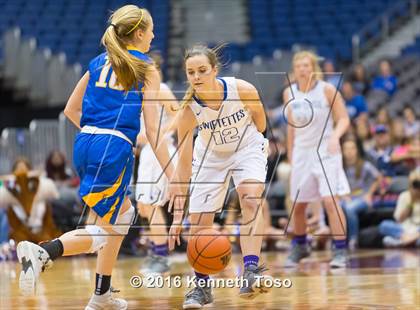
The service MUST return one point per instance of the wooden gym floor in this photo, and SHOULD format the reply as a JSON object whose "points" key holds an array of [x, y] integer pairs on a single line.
{"points": [[375, 279]]}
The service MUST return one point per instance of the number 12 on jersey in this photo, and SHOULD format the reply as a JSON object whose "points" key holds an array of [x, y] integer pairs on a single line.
{"points": [[227, 135]]}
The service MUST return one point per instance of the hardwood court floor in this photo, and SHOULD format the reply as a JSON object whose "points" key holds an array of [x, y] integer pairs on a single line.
{"points": [[375, 279]]}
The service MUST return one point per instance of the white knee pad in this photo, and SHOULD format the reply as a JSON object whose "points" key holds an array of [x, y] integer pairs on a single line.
{"points": [[99, 237], [124, 221]]}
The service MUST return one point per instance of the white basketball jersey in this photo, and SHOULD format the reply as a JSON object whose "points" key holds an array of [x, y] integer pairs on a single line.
{"points": [[228, 129], [310, 114]]}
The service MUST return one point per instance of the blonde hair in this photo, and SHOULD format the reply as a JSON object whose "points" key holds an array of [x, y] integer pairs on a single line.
{"points": [[129, 69], [212, 55], [314, 60]]}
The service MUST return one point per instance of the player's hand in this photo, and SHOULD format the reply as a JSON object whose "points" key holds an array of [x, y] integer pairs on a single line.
{"points": [[174, 233], [177, 200]]}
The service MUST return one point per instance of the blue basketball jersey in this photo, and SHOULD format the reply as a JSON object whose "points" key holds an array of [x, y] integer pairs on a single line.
{"points": [[106, 104]]}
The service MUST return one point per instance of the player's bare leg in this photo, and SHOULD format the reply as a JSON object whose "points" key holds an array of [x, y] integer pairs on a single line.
{"points": [[107, 258], [252, 230], [99, 237], [337, 223], [157, 263]]}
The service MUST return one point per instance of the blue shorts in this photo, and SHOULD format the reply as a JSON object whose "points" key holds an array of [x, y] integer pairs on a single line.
{"points": [[104, 163]]}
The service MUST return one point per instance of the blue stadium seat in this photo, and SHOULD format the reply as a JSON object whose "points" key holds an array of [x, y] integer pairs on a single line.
{"points": [[323, 23]]}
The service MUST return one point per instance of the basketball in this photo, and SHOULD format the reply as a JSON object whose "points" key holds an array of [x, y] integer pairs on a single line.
{"points": [[209, 252]]}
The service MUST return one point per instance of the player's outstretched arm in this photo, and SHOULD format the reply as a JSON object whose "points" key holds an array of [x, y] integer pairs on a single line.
{"points": [[186, 123], [73, 109], [151, 120], [249, 96]]}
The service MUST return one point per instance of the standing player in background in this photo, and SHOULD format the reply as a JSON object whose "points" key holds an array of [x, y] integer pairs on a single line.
{"points": [[106, 104], [230, 119], [310, 130], [151, 182]]}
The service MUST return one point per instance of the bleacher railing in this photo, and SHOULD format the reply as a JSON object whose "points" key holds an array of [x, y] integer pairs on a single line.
{"points": [[15, 142], [369, 36], [43, 138], [36, 142]]}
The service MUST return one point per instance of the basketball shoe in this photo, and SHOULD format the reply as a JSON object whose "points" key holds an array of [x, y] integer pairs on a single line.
{"points": [[34, 260], [198, 297], [254, 282], [298, 252], [106, 301]]}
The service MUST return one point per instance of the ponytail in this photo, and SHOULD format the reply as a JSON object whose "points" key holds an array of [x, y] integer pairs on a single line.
{"points": [[129, 70], [187, 97]]}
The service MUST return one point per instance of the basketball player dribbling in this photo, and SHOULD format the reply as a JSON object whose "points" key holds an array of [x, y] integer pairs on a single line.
{"points": [[230, 119], [308, 103]]}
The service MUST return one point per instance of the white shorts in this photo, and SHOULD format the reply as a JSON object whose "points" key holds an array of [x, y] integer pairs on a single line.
{"points": [[152, 183], [308, 182], [210, 178]]}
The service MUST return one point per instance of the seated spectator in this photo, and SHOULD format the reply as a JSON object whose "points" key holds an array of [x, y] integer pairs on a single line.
{"points": [[405, 228], [397, 131], [67, 208], [364, 180], [385, 81], [364, 134], [411, 123], [58, 172], [382, 153], [408, 153], [359, 80], [26, 196], [383, 117], [355, 104], [330, 74]]}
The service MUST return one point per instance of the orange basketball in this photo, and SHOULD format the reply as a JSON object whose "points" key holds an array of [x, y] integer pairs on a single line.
{"points": [[208, 251]]}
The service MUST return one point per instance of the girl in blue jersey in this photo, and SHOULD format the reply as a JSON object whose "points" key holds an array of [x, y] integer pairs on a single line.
{"points": [[106, 105]]}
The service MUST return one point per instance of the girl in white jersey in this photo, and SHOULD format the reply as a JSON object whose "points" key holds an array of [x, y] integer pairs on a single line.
{"points": [[230, 119], [152, 183], [314, 151]]}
